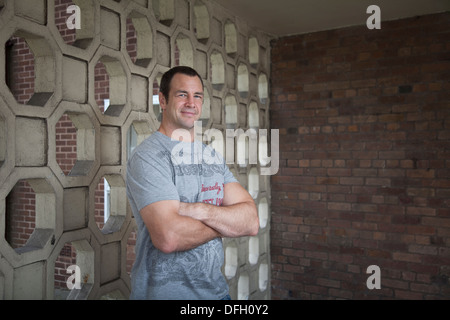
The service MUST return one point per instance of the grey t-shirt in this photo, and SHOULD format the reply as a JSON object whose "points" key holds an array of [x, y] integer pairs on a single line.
{"points": [[164, 169]]}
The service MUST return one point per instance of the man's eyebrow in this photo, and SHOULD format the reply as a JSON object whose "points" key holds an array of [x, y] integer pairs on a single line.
{"points": [[184, 91]]}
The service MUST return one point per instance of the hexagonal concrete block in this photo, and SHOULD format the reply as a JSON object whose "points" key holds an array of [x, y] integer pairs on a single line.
{"points": [[139, 93], [31, 142], [164, 11], [48, 215], [183, 50], [75, 208], [143, 35], [87, 143], [201, 63], [110, 262], [230, 74], [31, 9], [47, 68], [182, 17], [7, 145], [201, 22], [163, 49], [29, 282], [216, 31], [216, 110], [110, 145], [74, 86], [110, 28]]}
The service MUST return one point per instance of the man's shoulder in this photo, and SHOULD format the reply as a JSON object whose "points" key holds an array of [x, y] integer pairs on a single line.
{"points": [[152, 149], [153, 142]]}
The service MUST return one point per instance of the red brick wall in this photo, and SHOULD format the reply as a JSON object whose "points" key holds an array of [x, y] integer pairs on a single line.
{"points": [[20, 225], [66, 144], [364, 120], [66, 258], [22, 70], [61, 17]]}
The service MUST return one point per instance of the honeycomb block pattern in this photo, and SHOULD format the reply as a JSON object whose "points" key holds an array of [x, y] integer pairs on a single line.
{"points": [[91, 100]]}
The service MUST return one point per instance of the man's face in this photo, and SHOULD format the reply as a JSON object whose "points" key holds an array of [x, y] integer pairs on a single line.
{"points": [[184, 105]]}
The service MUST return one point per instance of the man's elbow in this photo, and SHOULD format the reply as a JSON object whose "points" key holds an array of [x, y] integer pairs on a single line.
{"points": [[254, 226], [166, 248], [166, 244]]}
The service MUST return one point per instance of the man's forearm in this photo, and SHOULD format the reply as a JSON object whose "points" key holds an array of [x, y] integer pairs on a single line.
{"points": [[232, 221], [170, 231], [193, 233]]}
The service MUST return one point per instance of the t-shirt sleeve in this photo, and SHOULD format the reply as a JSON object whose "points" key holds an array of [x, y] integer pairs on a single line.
{"points": [[149, 180], [228, 175]]}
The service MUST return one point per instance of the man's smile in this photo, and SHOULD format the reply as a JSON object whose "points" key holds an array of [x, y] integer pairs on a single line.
{"points": [[189, 113]]}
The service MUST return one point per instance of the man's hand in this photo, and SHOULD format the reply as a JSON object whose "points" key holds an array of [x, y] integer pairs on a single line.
{"points": [[237, 216]]}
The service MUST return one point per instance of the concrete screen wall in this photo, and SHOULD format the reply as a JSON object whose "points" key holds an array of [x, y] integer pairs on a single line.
{"points": [[74, 102]]}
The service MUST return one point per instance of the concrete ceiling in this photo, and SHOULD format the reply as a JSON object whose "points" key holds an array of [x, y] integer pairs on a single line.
{"points": [[289, 17]]}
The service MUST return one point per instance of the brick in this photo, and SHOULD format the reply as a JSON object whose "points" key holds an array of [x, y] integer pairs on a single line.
{"points": [[378, 182], [423, 249], [328, 283], [420, 173], [408, 295], [351, 181], [364, 83], [339, 206], [406, 257], [339, 120], [364, 207], [438, 222], [315, 87], [392, 155]]}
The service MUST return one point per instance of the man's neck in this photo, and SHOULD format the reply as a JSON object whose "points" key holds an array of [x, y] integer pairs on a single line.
{"points": [[180, 134]]}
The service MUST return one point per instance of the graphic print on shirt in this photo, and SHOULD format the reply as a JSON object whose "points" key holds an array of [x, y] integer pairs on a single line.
{"points": [[216, 190], [202, 171], [184, 265]]}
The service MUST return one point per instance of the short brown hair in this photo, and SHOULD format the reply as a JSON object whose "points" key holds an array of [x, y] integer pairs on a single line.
{"points": [[164, 87]]}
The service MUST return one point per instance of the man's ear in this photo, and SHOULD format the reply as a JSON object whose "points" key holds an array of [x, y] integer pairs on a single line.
{"points": [[162, 101]]}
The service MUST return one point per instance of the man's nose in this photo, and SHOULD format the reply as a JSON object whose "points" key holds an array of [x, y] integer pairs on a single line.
{"points": [[190, 101]]}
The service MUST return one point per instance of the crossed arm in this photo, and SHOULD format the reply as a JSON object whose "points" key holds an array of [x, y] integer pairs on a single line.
{"points": [[177, 226]]}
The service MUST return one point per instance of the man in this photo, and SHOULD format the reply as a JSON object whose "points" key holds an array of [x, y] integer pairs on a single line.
{"points": [[182, 203]]}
